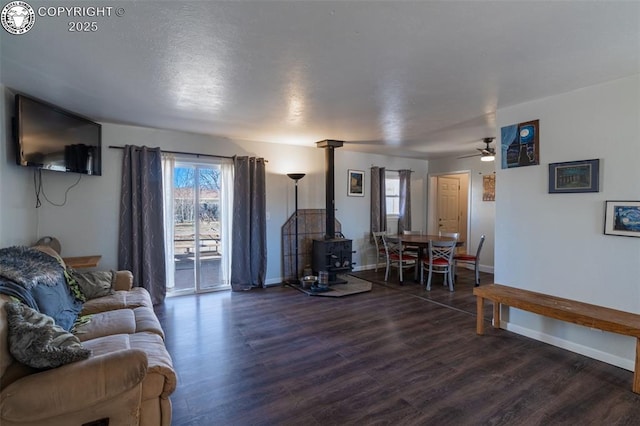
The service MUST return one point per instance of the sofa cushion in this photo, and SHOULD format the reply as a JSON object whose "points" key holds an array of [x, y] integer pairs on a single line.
{"points": [[120, 321], [160, 380], [134, 298], [35, 340], [147, 321]]}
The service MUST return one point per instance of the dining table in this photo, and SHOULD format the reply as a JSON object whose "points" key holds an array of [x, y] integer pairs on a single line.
{"points": [[421, 242]]}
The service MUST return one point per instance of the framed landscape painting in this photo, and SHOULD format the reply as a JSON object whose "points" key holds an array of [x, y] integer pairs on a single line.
{"points": [[622, 218], [574, 176]]}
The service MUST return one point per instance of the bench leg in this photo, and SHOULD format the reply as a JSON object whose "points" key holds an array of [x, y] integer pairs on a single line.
{"points": [[636, 371], [480, 316], [496, 314]]}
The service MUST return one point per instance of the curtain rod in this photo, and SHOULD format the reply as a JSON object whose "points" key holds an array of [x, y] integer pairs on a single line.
{"points": [[389, 170], [183, 153]]}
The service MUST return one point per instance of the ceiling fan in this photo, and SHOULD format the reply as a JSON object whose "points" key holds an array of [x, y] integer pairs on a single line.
{"points": [[487, 153]]}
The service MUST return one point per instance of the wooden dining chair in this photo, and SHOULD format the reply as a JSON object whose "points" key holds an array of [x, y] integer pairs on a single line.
{"points": [[455, 235], [470, 259], [439, 260], [396, 258], [381, 253]]}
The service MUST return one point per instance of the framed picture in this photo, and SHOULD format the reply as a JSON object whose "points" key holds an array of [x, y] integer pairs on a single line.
{"points": [[356, 183], [622, 218], [520, 144], [489, 187], [574, 176]]}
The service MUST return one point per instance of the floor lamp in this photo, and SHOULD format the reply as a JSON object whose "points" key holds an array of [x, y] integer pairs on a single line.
{"points": [[296, 177]]}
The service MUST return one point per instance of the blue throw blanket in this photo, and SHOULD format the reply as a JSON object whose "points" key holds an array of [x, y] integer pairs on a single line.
{"points": [[38, 280], [18, 291]]}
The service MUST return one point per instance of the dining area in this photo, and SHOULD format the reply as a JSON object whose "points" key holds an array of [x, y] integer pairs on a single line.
{"points": [[421, 256]]}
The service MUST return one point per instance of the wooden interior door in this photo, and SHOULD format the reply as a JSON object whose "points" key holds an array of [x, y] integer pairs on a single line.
{"points": [[448, 204]]}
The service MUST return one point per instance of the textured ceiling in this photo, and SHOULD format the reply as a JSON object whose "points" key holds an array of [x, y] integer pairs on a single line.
{"points": [[418, 79]]}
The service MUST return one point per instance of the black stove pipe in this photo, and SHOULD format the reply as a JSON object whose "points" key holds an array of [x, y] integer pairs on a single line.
{"points": [[330, 145]]}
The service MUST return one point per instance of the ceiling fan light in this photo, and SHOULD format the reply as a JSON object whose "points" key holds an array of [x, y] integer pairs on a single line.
{"points": [[487, 158]]}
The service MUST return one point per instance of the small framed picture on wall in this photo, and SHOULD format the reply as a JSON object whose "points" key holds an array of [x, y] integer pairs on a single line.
{"points": [[622, 218], [574, 176], [355, 183]]}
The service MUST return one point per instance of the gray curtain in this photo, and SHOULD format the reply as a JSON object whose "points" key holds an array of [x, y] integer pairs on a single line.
{"points": [[404, 216], [378, 200], [249, 238], [141, 236]]}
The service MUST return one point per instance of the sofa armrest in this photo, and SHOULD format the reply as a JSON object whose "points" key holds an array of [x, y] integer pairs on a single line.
{"points": [[123, 281], [73, 387]]}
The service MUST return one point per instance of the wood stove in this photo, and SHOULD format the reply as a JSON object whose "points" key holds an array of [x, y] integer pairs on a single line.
{"points": [[332, 254]]}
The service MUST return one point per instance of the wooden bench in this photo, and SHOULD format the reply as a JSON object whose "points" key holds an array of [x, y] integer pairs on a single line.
{"points": [[585, 314]]}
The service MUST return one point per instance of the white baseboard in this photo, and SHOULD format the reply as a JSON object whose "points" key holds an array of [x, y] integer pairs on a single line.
{"points": [[627, 364], [372, 266], [486, 268], [483, 268], [364, 268]]}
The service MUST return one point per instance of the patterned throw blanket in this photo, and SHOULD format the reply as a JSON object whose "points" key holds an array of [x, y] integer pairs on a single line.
{"points": [[38, 280], [29, 267]]}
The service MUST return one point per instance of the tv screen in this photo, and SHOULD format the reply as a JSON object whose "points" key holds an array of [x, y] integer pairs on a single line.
{"points": [[51, 138]]}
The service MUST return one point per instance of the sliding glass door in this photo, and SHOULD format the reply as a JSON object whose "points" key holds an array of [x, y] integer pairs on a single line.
{"points": [[198, 228]]}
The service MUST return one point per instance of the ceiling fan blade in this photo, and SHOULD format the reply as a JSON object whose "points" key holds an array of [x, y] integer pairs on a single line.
{"points": [[484, 152]]}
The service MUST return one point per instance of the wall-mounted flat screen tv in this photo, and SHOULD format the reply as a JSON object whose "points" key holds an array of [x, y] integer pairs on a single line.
{"points": [[51, 138]]}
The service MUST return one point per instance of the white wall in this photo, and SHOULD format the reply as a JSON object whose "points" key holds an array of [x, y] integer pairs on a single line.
{"points": [[88, 222], [481, 213], [554, 243], [354, 212], [17, 200]]}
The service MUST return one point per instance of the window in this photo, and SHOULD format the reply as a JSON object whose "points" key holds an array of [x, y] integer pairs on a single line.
{"points": [[392, 193]]}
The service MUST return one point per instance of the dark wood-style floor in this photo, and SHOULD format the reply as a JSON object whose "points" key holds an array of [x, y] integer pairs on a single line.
{"points": [[396, 355]]}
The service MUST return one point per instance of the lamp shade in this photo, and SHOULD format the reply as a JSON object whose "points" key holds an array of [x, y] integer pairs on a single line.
{"points": [[295, 176], [487, 158]]}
